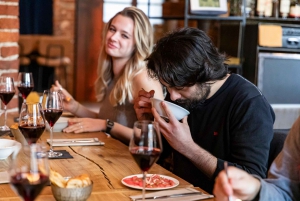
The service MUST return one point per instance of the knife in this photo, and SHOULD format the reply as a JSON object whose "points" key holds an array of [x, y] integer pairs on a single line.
{"points": [[78, 141], [171, 196]]}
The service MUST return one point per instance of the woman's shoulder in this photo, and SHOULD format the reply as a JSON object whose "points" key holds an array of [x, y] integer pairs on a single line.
{"points": [[144, 81]]}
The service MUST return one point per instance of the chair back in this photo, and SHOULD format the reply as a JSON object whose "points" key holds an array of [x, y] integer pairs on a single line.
{"points": [[28, 44], [54, 46], [277, 144]]}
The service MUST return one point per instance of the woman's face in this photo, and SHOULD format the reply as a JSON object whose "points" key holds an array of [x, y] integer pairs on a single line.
{"points": [[120, 38]]}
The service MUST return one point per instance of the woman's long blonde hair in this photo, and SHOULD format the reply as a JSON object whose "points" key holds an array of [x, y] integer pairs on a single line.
{"points": [[143, 36]]}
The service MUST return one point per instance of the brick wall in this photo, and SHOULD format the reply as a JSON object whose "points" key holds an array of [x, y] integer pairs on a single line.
{"points": [[9, 49]]}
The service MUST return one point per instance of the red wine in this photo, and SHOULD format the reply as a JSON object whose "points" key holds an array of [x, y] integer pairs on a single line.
{"points": [[6, 96], [52, 115], [26, 189], [25, 90], [32, 133], [145, 158]]}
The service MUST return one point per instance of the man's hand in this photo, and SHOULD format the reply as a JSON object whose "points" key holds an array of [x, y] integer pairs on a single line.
{"points": [[142, 105], [238, 184], [176, 133]]}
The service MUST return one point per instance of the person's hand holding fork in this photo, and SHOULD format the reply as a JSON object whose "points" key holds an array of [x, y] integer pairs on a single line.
{"points": [[236, 183]]}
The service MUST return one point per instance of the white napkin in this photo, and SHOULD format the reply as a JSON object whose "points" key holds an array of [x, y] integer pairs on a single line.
{"points": [[4, 178], [172, 192], [75, 142]]}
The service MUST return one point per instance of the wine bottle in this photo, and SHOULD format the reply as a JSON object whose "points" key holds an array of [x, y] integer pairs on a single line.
{"points": [[295, 9], [260, 7], [284, 8], [268, 8]]}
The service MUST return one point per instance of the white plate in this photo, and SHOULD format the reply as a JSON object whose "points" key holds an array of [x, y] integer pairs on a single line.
{"points": [[176, 182], [60, 124]]}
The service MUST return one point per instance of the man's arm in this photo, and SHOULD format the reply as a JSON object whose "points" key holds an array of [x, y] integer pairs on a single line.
{"points": [[179, 137]]}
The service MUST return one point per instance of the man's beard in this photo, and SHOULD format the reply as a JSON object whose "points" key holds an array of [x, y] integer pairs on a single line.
{"points": [[199, 97]]}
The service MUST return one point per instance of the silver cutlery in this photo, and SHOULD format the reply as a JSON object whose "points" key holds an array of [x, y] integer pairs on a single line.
{"points": [[78, 141], [171, 196], [225, 168]]}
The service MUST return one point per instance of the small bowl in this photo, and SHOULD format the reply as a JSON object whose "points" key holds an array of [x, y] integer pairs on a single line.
{"points": [[8, 147], [178, 112], [71, 194]]}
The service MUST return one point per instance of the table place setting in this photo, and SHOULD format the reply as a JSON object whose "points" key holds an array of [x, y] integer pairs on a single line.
{"points": [[4, 178], [182, 194], [75, 142]]}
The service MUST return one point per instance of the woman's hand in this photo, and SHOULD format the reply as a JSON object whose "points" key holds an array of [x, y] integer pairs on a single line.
{"points": [[70, 104], [82, 125]]}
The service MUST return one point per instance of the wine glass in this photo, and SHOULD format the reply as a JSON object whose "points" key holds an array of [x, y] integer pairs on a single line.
{"points": [[145, 146], [31, 121], [7, 91], [29, 171], [25, 84], [53, 109]]}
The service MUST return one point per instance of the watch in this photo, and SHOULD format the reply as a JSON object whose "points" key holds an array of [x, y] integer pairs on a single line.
{"points": [[109, 126]]}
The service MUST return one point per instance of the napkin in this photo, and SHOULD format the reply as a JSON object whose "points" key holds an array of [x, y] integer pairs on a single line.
{"points": [[65, 155], [4, 177], [75, 142], [172, 192]]}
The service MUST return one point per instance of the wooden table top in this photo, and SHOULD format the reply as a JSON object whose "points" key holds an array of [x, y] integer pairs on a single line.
{"points": [[106, 165]]}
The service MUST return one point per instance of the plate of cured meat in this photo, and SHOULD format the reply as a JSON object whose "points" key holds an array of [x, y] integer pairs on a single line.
{"points": [[153, 182]]}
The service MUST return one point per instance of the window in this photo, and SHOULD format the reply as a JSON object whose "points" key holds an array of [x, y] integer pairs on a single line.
{"points": [[153, 9]]}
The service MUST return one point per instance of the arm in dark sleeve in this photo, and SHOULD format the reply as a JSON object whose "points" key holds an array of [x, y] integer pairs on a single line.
{"points": [[251, 131]]}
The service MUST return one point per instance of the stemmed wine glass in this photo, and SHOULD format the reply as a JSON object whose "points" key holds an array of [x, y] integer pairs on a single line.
{"points": [[25, 84], [7, 91], [31, 121], [53, 109], [29, 171], [145, 146]]}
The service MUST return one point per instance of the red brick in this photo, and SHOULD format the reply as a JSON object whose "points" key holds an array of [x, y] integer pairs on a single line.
{"points": [[9, 10], [9, 37], [7, 23], [11, 0], [9, 51], [14, 64], [13, 75]]}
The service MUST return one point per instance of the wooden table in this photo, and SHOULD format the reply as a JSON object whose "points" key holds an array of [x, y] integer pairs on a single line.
{"points": [[106, 165]]}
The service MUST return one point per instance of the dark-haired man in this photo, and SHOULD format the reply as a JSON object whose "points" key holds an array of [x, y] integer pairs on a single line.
{"points": [[230, 120]]}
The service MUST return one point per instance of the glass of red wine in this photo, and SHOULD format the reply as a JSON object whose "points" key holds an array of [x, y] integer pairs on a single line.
{"points": [[145, 146], [7, 91], [25, 84], [29, 171], [53, 108], [31, 121]]}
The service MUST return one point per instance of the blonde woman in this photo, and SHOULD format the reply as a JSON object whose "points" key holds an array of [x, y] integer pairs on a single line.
{"points": [[121, 75]]}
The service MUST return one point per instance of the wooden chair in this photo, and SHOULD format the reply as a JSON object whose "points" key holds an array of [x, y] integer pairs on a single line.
{"points": [[27, 45], [53, 52]]}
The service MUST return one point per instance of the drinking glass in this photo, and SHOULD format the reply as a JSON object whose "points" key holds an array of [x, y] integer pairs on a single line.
{"points": [[25, 84], [29, 171], [53, 109], [145, 146], [31, 121], [7, 91]]}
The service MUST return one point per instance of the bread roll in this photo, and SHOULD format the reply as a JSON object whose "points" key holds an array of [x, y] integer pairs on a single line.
{"points": [[57, 179]]}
